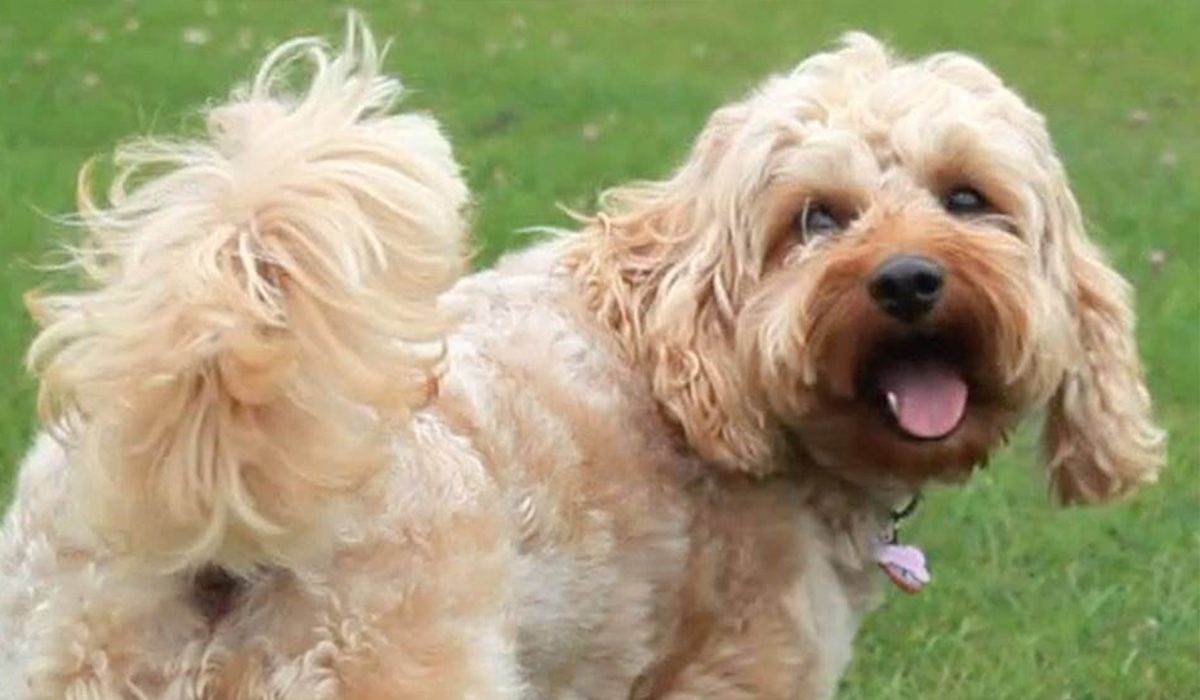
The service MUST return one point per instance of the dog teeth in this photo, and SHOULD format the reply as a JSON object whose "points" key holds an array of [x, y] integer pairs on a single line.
{"points": [[893, 402]]}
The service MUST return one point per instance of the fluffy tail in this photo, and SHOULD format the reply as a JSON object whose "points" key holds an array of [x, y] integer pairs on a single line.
{"points": [[262, 311]]}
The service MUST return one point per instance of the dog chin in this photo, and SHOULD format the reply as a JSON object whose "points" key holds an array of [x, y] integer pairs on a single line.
{"points": [[921, 407]]}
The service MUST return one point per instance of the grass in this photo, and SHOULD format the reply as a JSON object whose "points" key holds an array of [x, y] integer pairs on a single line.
{"points": [[549, 102]]}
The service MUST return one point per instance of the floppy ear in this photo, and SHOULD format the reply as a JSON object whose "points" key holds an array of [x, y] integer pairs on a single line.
{"points": [[1100, 440], [659, 284], [662, 268]]}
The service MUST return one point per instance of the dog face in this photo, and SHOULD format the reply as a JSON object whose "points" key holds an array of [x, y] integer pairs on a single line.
{"points": [[905, 315], [877, 267]]}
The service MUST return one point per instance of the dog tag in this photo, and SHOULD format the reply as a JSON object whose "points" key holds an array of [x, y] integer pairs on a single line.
{"points": [[904, 565]]}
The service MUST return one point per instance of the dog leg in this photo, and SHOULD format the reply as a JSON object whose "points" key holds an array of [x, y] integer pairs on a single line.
{"points": [[419, 607], [765, 613], [72, 624], [760, 658]]}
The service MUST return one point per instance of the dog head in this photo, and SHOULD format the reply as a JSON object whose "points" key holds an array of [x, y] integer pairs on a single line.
{"points": [[877, 266]]}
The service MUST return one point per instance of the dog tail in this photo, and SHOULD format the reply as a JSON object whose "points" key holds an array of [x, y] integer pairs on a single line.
{"points": [[261, 312]]}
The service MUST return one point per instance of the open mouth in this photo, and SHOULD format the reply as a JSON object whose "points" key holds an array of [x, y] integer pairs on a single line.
{"points": [[919, 385]]}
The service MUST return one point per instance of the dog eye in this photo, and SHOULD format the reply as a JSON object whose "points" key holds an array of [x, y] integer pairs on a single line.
{"points": [[965, 200], [816, 219]]}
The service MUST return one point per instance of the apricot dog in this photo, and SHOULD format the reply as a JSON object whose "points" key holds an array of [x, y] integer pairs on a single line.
{"points": [[291, 452]]}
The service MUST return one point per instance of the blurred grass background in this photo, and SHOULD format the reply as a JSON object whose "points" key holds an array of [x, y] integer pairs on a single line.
{"points": [[552, 101]]}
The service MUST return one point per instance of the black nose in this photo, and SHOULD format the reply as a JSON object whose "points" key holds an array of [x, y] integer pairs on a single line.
{"points": [[907, 286]]}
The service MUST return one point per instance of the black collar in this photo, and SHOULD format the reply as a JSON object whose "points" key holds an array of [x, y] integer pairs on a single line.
{"points": [[896, 516]]}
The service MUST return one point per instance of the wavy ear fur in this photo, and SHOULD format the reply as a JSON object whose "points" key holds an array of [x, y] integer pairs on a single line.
{"points": [[1100, 439], [662, 268]]}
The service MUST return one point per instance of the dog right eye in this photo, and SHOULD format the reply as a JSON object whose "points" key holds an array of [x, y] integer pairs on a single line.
{"points": [[816, 219]]}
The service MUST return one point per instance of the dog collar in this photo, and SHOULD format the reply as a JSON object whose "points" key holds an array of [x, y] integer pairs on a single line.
{"points": [[905, 565]]}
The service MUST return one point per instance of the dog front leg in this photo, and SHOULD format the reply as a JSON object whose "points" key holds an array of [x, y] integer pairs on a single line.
{"points": [[746, 659], [764, 613]]}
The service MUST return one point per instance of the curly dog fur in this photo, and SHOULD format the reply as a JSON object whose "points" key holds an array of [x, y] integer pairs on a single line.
{"points": [[291, 452]]}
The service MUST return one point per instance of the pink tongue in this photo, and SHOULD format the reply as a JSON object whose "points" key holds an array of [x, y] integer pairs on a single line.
{"points": [[927, 397]]}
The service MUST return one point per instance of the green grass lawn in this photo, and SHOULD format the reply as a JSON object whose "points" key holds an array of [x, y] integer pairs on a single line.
{"points": [[550, 102]]}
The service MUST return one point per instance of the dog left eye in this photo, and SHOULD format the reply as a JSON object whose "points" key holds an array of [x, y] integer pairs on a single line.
{"points": [[965, 200], [816, 220]]}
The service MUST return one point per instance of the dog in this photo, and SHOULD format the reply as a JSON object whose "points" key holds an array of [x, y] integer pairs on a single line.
{"points": [[292, 450]]}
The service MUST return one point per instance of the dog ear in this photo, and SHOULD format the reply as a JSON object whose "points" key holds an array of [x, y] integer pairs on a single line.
{"points": [[696, 376], [660, 286], [1100, 440], [662, 268]]}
